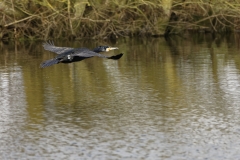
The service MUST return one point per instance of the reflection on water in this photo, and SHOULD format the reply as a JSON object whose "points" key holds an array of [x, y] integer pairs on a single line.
{"points": [[175, 98]]}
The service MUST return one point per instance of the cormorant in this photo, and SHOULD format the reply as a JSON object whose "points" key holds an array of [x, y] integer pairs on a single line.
{"points": [[69, 55]]}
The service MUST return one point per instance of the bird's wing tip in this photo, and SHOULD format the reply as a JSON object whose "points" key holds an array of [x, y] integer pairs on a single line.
{"points": [[48, 42], [116, 57]]}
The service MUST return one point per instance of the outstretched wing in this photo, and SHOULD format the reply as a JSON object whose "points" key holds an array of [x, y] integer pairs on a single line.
{"points": [[49, 46], [49, 62]]}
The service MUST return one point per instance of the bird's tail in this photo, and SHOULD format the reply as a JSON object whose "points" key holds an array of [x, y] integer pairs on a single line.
{"points": [[48, 63], [116, 57]]}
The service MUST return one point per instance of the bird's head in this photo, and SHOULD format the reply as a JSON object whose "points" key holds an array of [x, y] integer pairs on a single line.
{"points": [[104, 49]]}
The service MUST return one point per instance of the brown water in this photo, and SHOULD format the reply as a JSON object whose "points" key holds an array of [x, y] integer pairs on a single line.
{"points": [[174, 99]]}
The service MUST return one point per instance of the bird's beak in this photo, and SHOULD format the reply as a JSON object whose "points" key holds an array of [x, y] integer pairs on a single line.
{"points": [[111, 48]]}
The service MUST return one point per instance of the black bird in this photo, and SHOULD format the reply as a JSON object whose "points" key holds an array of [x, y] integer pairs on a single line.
{"points": [[69, 55]]}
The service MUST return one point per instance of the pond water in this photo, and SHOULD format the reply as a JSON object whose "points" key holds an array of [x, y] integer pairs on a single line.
{"points": [[175, 98]]}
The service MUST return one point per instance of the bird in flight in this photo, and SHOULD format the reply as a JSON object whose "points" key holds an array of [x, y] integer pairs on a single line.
{"points": [[69, 55]]}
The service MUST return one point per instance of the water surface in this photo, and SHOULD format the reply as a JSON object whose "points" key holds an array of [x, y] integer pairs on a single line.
{"points": [[176, 98]]}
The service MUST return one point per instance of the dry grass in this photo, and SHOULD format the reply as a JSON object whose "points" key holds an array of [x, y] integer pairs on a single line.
{"points": [[213, 16], [55, 19]]}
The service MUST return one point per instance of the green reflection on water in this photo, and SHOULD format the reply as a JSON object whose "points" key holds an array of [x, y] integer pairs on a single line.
{"points": [[154, 64], [161, 85]]}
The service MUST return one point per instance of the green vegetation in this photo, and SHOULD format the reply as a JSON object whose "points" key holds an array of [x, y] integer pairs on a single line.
{"points": [[44, 19]]}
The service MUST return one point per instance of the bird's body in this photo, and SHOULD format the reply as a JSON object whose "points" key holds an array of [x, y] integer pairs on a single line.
{"points": [[69, 55]]}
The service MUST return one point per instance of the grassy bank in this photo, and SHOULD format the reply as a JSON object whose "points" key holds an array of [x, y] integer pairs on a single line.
{"points": [[34, 19]]}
